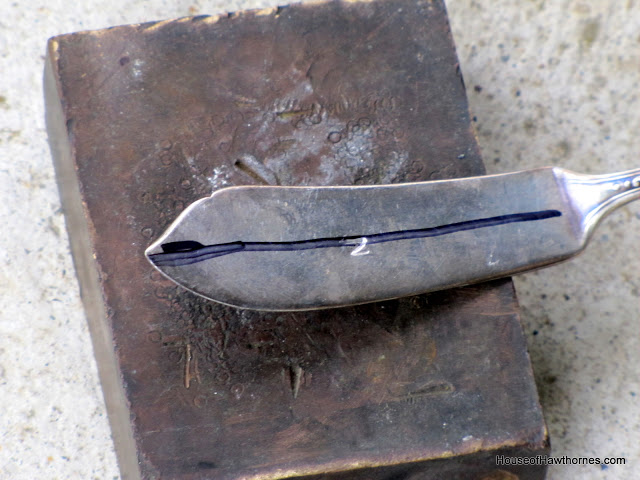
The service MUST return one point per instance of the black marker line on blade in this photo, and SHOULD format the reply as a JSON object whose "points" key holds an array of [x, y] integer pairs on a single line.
{"points": [[187, 252]]}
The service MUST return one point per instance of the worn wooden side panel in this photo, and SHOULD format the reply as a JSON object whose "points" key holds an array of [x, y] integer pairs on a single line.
{"points": [[146, 119]]}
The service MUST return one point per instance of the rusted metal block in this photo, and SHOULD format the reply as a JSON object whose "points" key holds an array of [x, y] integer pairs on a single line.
{"points": [[145, 119]]}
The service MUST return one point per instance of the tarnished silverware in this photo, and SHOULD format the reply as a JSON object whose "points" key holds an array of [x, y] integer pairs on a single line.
{"points": [[300, 248]]}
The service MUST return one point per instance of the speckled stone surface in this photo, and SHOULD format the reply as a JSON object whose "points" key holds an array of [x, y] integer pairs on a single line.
{"points": [[549, 83]]}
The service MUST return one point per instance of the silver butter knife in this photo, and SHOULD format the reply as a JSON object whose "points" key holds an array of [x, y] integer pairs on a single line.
{"points": [[302, 248]]}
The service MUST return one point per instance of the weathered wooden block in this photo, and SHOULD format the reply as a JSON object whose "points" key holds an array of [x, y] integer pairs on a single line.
{"points": [[145, 119]]}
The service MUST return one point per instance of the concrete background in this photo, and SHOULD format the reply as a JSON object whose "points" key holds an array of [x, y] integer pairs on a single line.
{"points": [[549, 83]]}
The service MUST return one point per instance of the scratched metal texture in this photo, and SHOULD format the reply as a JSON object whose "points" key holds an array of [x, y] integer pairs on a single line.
{"points": [[145, 119]]}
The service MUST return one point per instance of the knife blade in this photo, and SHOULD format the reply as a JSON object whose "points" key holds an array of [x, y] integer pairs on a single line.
{"points": [[302, 248]]}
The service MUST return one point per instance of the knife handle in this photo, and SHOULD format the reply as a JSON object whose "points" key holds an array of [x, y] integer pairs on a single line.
{"points": [[595, 196]]}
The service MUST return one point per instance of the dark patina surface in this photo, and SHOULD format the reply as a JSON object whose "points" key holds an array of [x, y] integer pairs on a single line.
{"points": [[145, 119]]}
